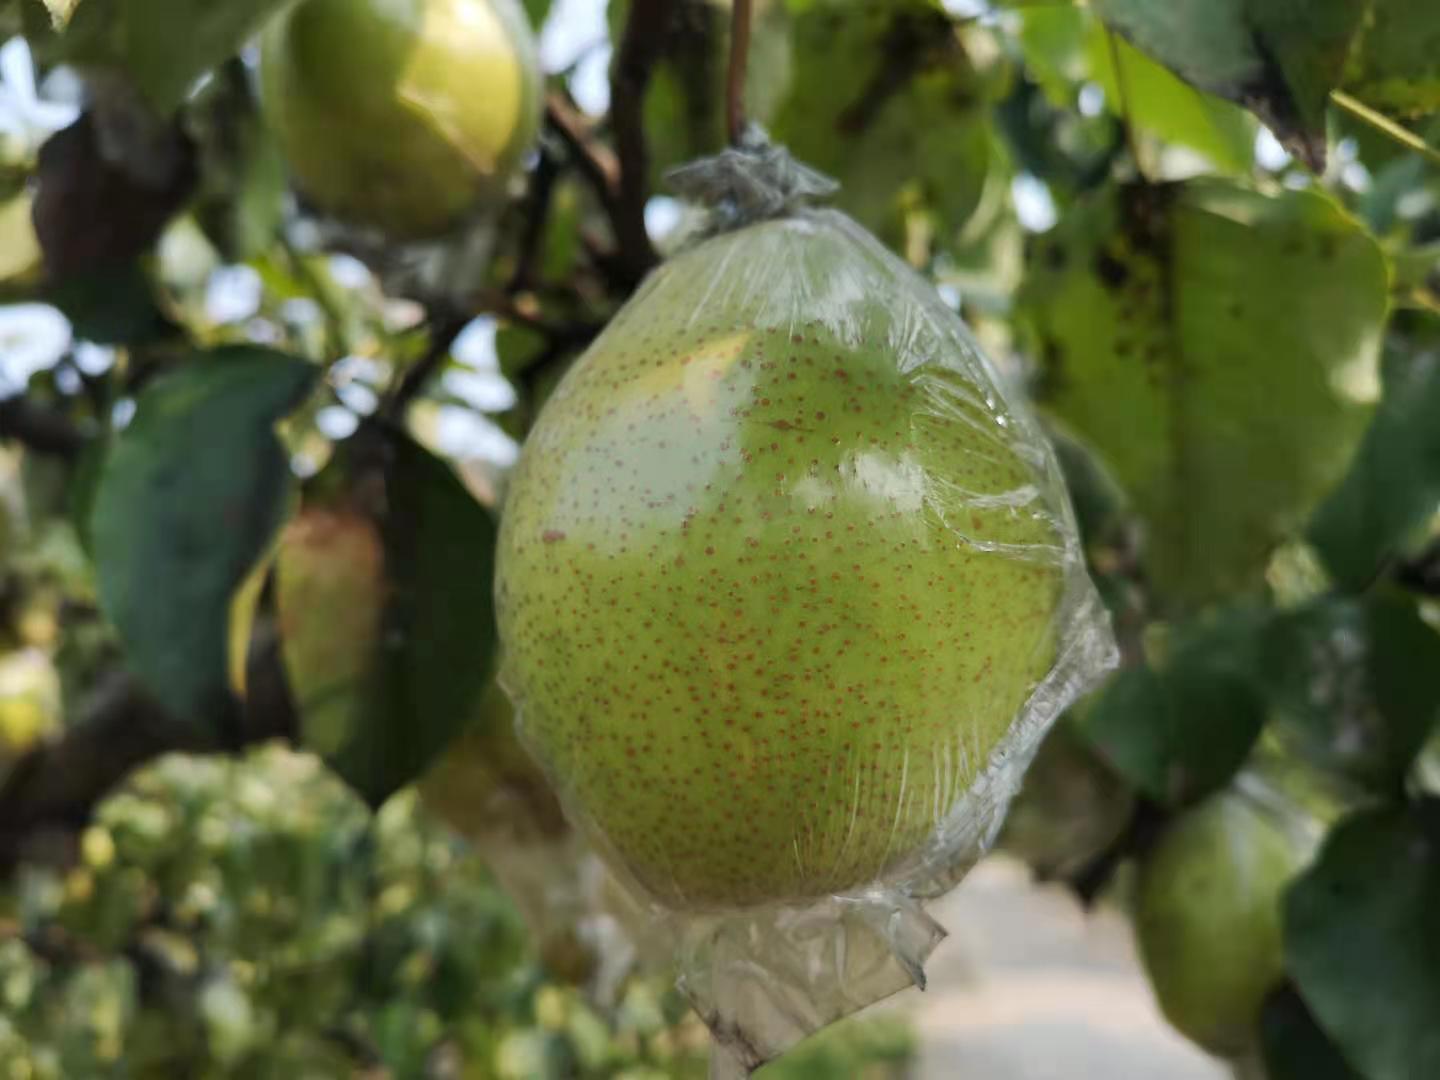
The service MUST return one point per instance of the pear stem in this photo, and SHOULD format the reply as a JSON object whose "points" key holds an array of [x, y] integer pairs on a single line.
{"points": [[735, 85]]}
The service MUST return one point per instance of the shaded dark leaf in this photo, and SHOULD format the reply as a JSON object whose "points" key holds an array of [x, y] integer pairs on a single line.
{"points": [[1362, 937], [188, 497], [1294, 1047], [116, 306], [1395, 65], [1277, 58], [1179, 730], [1393, 485], [1353, 682]]}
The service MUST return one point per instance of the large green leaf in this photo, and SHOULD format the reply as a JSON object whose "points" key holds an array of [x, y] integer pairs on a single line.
{"points": [[1362, 936], [384, 596], [1279, 58], [886, 99], [1219, 348], [1395, 65], [1353, 682], [189, 497], [1064, 46], [1393, 487], [1179, 729], [1158, 101], [162, 45]]}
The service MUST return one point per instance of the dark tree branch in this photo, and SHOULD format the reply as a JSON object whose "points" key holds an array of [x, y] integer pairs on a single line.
{"points": [[1421, 574], [639, 49], [1141, 833], [601, 169], [735, 83], [594, 158], [39, 429], [444, 329], [532, 236], [55, 787]]}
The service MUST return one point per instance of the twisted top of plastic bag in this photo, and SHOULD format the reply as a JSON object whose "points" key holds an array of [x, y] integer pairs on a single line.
{"points": [[748, 183]]}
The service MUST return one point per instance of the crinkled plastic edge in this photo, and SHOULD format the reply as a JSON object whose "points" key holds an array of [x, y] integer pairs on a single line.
{"points": [[762, 980]]}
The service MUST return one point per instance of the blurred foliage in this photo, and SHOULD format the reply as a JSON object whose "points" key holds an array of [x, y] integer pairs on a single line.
{"points": [[1235, 348], [250, 918]]}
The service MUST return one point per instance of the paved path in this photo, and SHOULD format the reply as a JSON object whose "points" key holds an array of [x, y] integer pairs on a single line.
{"points": [[1031, 987]]}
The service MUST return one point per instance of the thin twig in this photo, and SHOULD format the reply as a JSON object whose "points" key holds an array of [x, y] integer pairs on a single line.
{"points": [[596, 160], [739, 57], [601, 169], [1122, 92], [537, 210], [639, 49], [444, 329], [1383, 124]]}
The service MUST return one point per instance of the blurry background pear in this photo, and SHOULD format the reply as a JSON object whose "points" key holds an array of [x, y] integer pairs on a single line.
{"points": [[402, 114], [1208, 914]]}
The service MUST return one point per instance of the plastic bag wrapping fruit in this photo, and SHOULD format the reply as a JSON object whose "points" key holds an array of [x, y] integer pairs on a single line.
{"points": [[789, 591]]}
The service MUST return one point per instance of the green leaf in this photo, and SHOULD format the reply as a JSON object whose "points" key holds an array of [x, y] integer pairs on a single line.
{"points": [[1179, 730], [886, 99], [1279, 58], [1362, 936], [162, 45], [189, 495], [1395, 65], [1218, 347], [384, 585], [1394, 484], [1353, 683], [1065, 46], [1159, 102], [1293, 1045]]}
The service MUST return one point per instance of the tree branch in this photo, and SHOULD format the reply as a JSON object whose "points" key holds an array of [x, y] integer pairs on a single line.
{"points": [[39, 429], [639, 49], [597, 163], [735, 81], [537, 212], [443, 332]]}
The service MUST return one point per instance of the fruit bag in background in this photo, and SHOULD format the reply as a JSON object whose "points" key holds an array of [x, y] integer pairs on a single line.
{"points": [[789, 590]]}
